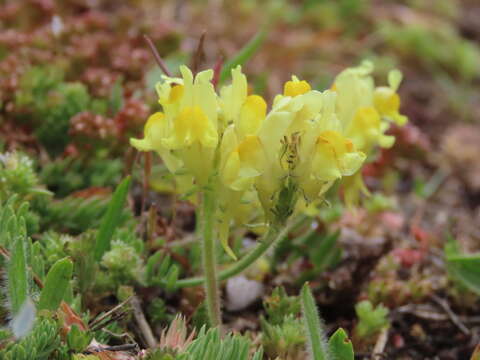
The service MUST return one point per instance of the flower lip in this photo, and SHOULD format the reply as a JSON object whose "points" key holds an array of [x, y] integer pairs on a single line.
{"points": [[296, 87]]}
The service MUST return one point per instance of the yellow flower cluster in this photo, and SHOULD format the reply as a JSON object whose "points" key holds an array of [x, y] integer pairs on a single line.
{"points": [[308, 140], [366, 113]]}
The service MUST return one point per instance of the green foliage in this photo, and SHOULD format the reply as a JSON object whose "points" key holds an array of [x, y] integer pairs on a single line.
{"points": [[81, 251], [116, 97], [244, 54], [282, 329], [285, 201], [314, 327], [52, 247], [63, 176], [341, 13], [322, 251], [122, 264], [340, 346], [66, 100], [56, 285], [13, 237], [278, 305], [111, 219], [210, 345], [18, 287], [161, 271], [285, 339], [78, 340], [200, 316], [38, 345], [463, 268], [17, 176], [36, 83], [51, 102], [370, 320], [157, 311], [74, 215], [436, 47]]}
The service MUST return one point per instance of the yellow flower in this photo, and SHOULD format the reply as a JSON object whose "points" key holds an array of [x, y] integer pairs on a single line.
{"points": [[335, 156], [353, 186], [366, 130], [387, 101], [242, 154], [190, 126], [233, 96], [185, 135], [366, 113], [252, 114], [195, 120], [154, 131], [296, 87]]}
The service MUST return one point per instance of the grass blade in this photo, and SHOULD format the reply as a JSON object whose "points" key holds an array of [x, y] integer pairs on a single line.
{"points": [[244, 54], [111, 219]]}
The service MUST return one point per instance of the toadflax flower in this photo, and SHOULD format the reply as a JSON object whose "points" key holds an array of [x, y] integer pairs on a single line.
{"points": [[185, 135], [297, 150], [366, 113]]}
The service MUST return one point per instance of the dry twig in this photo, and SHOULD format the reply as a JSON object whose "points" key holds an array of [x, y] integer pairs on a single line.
{"points": [[142, 322], [455, 319]]}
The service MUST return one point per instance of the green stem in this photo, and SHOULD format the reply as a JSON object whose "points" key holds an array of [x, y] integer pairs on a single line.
{"points": [[209, 257], [273, 235]]}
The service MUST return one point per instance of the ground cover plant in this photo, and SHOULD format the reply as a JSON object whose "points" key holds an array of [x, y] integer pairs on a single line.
{"points": [[247, 180]]}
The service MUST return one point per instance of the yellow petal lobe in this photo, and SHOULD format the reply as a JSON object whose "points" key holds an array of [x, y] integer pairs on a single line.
{"points": [[296, 87]]}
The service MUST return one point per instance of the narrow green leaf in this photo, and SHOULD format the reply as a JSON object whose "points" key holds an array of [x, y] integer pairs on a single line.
{"points": [[151, 264], [165, 265], [17, 276], [340, 346], [12, 228], [463, 268], [111, 219], [314, 328], [56, 284], [23, 209], [244, 54], [172, 278], [466, 270], [38, 262], [116, 96]]}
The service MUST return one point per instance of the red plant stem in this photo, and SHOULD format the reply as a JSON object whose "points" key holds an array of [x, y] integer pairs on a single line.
{"points": [[157, 56]]}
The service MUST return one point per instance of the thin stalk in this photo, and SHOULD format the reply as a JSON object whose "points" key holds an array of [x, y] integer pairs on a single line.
{"points": [[209, 257], [273, 235]]}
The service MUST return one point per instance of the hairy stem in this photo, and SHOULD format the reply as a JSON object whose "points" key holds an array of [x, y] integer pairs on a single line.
{"points": [[209, 257], [273, 235]]}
